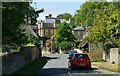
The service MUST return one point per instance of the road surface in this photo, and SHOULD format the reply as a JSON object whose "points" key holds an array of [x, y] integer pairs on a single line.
{"points": [[59, 67]]}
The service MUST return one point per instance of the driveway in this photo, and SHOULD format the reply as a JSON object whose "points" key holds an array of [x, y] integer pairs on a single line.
{"points": [[58, 67]]}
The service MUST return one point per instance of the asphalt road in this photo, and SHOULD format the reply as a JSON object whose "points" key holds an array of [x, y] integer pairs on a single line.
{"points": [[58, 67]]}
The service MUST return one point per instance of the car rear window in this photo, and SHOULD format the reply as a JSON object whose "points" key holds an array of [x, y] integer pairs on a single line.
{"points": [[73, 51], [81, 56]]}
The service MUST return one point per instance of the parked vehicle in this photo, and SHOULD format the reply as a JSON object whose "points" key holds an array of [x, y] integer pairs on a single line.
{"points": [[79, 61], [71, 52]]}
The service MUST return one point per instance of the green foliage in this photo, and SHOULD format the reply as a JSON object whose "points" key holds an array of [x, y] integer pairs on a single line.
{"points": [[32, 40], [98, 60], [66, 16], [118, 41], [64, 33], [13, 16], [85, 14], [105, 21], [66, 45], [33, 15]]}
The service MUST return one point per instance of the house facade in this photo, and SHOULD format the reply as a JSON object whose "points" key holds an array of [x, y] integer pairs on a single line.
{"points": [[78, 32], [47, 28]]}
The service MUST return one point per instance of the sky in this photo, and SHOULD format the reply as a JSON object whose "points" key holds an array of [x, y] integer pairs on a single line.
{"points": [[56, 7]]}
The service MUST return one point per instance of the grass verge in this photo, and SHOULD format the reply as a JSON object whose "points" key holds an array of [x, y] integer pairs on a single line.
{"points": [[107, 66], [98, 60], [32, 68]]}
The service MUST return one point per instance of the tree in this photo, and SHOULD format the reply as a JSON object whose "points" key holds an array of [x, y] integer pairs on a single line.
{"points": [[85, 14], [66, 45], [64, 33], [32, 40], [33, 14], [66, 16], [13, 16], [106, 25]]}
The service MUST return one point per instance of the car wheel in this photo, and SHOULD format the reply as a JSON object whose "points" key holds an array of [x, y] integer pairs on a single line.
{"points": [[72, 68], [89, 68]]}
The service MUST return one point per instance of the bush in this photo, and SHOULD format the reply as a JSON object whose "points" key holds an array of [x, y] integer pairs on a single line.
{"points": [[30, 39], [107, 46], [98, 60], [65, 45]]}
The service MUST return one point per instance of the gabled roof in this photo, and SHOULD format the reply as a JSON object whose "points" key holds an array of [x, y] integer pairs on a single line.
{"points": [[28, 30], [79, 28], [34, 27], [51, 20]]}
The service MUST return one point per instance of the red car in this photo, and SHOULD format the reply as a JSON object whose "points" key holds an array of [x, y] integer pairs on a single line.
{"points": [[79, 60]]}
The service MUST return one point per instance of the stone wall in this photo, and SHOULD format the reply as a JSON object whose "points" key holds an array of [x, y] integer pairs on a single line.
{"points": [[114, 55], [14, 60], [96, 55], [95, 51]]}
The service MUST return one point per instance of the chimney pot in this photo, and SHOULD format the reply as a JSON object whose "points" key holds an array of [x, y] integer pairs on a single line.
{"points": [[50, 15], [46, 17]]}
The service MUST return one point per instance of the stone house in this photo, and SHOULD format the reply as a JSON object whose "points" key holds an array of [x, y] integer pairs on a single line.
{"points": [[78, 32], [47, 29], [96, 50]]}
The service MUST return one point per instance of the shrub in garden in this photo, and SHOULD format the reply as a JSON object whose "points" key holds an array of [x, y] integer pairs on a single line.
{"points": [[65, 45]]}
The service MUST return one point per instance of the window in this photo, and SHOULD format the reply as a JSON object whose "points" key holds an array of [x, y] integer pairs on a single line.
{"points": [[46, 31], [51, 31], [81, 56], [78, 33], [56, 25]]}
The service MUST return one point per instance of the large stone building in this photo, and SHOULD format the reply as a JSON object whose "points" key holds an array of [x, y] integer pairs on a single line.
{"points": [[47, 29]]}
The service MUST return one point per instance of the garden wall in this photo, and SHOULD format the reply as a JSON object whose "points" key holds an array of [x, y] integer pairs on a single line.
{"points": [[95, 51], [14, 60], [96, 55]]}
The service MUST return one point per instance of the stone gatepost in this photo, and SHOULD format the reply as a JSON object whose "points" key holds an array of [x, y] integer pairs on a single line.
{"points": [[52, 45], [114, 55]]}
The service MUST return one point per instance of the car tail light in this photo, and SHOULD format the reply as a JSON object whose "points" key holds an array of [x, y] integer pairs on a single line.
{"points": [[88, 60]]}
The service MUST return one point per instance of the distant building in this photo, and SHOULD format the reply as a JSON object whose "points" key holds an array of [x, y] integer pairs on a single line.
{"points": [[78, 32], [47, 28]]}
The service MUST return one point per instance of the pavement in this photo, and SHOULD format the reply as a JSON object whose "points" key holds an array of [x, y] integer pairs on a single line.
{"points": [[58, 66]]}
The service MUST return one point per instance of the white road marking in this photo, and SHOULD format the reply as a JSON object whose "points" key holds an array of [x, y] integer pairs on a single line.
{"points": [[70, 74]]}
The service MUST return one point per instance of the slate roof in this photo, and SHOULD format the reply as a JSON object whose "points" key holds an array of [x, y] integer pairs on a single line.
{"points": [[28, 30], [79, 28], [49, 20]]}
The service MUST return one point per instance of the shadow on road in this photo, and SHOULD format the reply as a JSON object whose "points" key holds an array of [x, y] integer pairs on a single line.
{"points": [[65, 71]]}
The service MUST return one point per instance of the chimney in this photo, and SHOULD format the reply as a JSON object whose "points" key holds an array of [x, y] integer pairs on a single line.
{"points": [[60, 16], [57, 16], [50, 15], [46, 17], [41, 21]]}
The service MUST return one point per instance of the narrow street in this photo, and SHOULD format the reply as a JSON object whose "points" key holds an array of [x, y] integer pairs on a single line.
{"points": [[59, 67]]}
